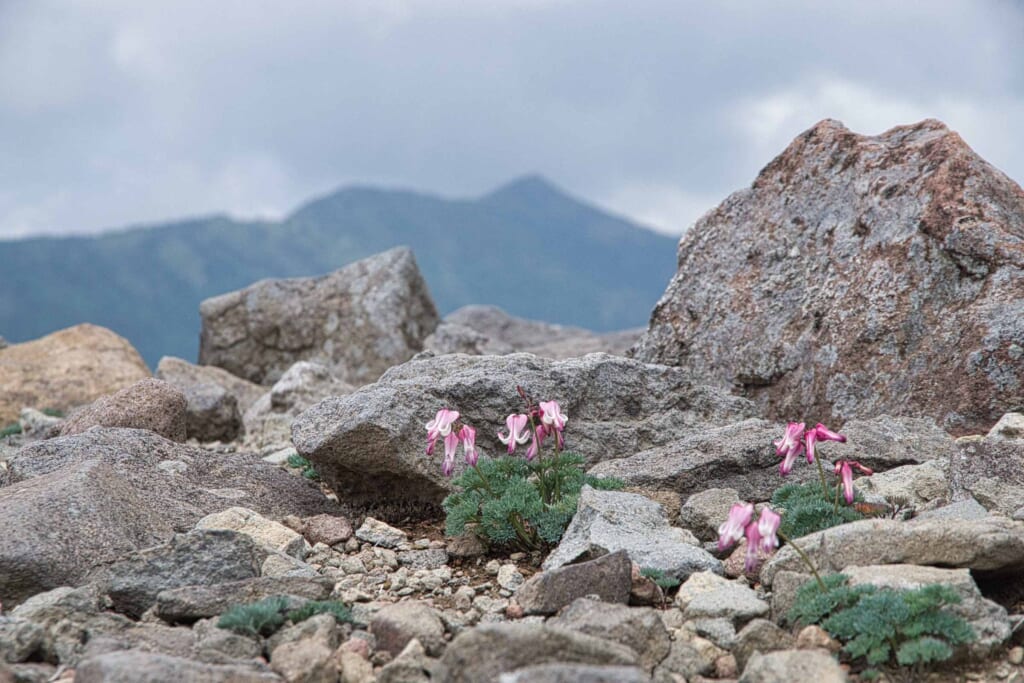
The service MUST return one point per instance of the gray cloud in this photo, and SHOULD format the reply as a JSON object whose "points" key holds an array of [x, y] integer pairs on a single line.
{"points": [[115, 112]]}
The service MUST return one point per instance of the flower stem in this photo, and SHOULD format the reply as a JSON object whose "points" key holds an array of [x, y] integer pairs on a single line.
{"points": [[821, 476], [805, 558]]}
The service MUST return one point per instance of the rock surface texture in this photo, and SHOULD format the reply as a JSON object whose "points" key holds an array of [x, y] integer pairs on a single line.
{"points": [[358, 321], [857, 276], [368, 446], [149, 404], [68, 368]]}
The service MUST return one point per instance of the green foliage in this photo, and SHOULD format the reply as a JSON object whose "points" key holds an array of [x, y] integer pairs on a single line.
{"points": [[304, 466], [665, 582], [341, 612], [807, 509], [261, 618], [53, 412], [10, 430], [514, 503], [880, 624]]}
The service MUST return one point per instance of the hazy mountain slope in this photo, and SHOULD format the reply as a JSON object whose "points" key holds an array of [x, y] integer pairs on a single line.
{"points": [[526, 247]]}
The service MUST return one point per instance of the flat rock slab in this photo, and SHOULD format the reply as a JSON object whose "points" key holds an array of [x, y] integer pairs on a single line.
{"points": [[369, 446], [133, 666], [857, 276], [191, 603], [793, 665], [989, 546], [609, 577], [607, 521], [708, 596], [358, 321]]}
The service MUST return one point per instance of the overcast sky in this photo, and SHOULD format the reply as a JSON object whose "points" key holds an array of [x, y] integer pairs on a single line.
{"points": [[115, 112]]}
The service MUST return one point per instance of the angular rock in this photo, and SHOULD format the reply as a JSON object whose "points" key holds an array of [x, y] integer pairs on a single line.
{"points": [[378, 533], [706, 595], [609, 577], [449, 337], [326, 529], [20, 639], [968, 508], [304, 653], [482, 654], [1009, 428], [410, 666], [638, 628], [183, 375], [358, 321], [263, 531], [859, 276], [989, 621], [916, 484], [576, 673], [220, 646], [211, 413], [691, 656], [793, 665], [992, 472], [396, 625], [988, 547], [191, 603], [704, 512], [198, 558], [142, 637], [607, 521], [884, 441], [69, 368], [760, 636], [148, 404], [132, 666]]}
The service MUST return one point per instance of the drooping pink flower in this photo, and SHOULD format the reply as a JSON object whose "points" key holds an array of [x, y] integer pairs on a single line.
{"points": [[823, 433], [810, 438], [768, 528], [539, 435], [845, 472], [517, 433], [786, 466], [790, 440], [451, 444], [467, 435], [440, 426], [732, 529], [753, 547], [552, 416]]}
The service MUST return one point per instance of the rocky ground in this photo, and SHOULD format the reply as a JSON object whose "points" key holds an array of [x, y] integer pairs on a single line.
{"points": [[142, 509]]}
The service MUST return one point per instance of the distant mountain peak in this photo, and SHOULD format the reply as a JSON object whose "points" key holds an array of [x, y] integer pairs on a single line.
{"points": [[528, 188]]}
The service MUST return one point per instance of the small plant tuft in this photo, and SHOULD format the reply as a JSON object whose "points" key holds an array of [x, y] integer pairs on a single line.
{"points": [[665, 582], [261, 618], [53, 412], [880, 625], [808, 510], [341, 612], [304, 466], [10, 430]]}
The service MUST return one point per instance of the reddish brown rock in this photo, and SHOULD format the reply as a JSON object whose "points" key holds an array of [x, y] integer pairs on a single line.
{"points": [[858, 276], [151, 404]]}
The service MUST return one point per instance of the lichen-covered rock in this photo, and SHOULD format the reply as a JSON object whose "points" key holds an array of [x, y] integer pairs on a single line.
{"points": [[609, 577], [992, 472], [216, 398], [858, 276], [368, 446], [66, 369], [148, 404], [639, 628], [358, 321]]}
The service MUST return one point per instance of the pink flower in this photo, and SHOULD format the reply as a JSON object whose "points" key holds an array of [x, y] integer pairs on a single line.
{"points": [[810, 437], [440, 426], [753, 547], [786, 466], [468, 437], [767, 528], [791, 439], [844, 468], [732, 530], [517, 433], [825, 434], [551, 415], [451, 444], [538, 438]]}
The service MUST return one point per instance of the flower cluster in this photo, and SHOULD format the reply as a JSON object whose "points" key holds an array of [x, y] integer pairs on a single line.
{"points": [[552, 421], [762, 535], [844, 468], [797, 441], [443, 425]]}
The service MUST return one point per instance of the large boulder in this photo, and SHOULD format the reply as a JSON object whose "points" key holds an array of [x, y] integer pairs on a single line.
{"points": [[216, 398], [992, 472], [184, 375], [148, 404], [482, 329], [368, 446], [73, 503], [857, 276], [358, 321], [69, 368]]}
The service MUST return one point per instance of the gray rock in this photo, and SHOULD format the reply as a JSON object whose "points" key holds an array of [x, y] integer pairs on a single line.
{"points": [[988, 547], [917, 484], [141, 637], [989, 620], [992, 472], [101, 494], [884, 441], [265, 532], [449, 337], [607, 521], [379, 533], [326, 529], [855, 265], [197, 558], [576, 673], [718, 630], [212, 413], [191, 603], [785, 585], [220, 646], [609, 577], [482, 654], [304, 653], [369, 445], [183, 375], [423, 559], [268, 422], [639, 628], [358, 321], [395, 625], [1010, 427], [706, 595], [148, 404], [760, 636], [131, 666], [793, 665], [704, 512], [690, 657], [961, 509], [70, 618], [36, 423], [410, 666], [19, 639]]}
